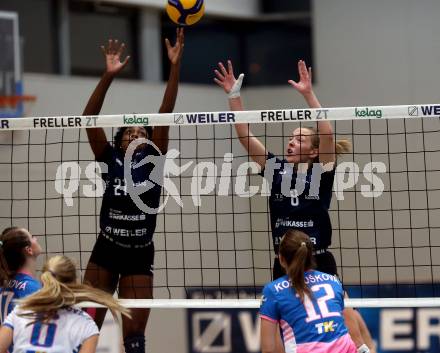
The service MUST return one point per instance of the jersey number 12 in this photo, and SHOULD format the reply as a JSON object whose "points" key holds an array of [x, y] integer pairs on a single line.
{"points": [[324, 311]]}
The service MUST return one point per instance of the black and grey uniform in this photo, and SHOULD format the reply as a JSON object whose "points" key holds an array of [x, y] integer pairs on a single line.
{"points": [[125, 242], [301, 202]]}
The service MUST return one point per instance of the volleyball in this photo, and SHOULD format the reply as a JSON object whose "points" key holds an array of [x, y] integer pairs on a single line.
{"points": [[185, 12]]}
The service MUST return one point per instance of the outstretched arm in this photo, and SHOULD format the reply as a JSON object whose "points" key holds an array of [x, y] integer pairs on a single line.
{"points": [[226, 80], [325, 130], [112, 54], [160, 133]]}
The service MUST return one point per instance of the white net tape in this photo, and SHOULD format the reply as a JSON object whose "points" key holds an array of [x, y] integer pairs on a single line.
{"points": [[214, 118], [218, 118], [255, 303]]}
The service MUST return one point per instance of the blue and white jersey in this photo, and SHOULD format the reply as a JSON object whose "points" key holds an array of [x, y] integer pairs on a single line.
{"points": [[19, 287], [63, 334], [299, 201], [121, 220], [317, 324]]}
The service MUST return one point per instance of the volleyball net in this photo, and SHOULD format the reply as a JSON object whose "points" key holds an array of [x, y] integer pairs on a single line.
{"points": [[213, 237]]}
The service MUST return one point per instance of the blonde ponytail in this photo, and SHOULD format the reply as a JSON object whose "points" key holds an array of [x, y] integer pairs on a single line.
{"points": [[342, 146], [60, 289]]}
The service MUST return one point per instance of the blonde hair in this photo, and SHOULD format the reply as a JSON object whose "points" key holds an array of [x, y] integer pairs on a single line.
{"points": [[341, 146], [60, 290]]}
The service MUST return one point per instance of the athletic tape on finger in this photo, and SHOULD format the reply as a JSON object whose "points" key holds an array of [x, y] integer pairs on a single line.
{"points": [[235, 91]]}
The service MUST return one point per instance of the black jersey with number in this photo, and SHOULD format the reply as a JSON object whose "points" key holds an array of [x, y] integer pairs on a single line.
{"points": [[300, 202], [121, 220]]}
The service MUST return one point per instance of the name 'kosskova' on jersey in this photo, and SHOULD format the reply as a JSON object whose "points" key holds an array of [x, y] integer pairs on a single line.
{"points": [[121, 220], [317, 324], [290, 208]]}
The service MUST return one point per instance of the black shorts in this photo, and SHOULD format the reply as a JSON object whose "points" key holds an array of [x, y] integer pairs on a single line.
{"points": [[325, 262], [123, 261]]}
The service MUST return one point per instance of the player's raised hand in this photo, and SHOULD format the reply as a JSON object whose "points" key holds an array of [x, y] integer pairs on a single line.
{"points": [[175, 52], [112, 53], [225, 77], [304, 86]]}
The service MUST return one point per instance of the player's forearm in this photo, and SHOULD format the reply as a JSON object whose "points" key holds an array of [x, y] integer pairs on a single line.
{"points": [[96, 136], [243, 133], [324, 127], [161, 138], [235, 104], [312, 100], [170, 95], [96, 100]]}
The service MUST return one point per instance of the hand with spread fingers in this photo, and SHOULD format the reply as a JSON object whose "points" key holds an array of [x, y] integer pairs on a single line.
{"points": [[112, 53], [225, 78], [175, 52], [304, 86]]}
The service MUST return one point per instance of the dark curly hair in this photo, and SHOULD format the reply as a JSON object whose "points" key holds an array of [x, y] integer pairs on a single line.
{"points": [[118, 136]]}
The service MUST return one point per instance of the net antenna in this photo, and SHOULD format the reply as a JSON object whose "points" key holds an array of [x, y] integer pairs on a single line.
{"points": [[12, 98]]}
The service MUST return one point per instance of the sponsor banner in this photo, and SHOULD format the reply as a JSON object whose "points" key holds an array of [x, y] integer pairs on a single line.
{"points": [[209, 118], [430, 110], [368, 113], [395, 330], [179, 119], [4, 124], [256, 116], [135, 120], [223, 330]]}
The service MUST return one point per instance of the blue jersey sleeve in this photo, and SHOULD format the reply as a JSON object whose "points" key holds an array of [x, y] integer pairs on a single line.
{"points": [[340, 293], [269, 307], [32, 287]]}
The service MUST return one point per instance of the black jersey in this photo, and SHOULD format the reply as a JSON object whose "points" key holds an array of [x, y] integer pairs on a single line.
{"points": [[121, 220], [300, 202]]}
